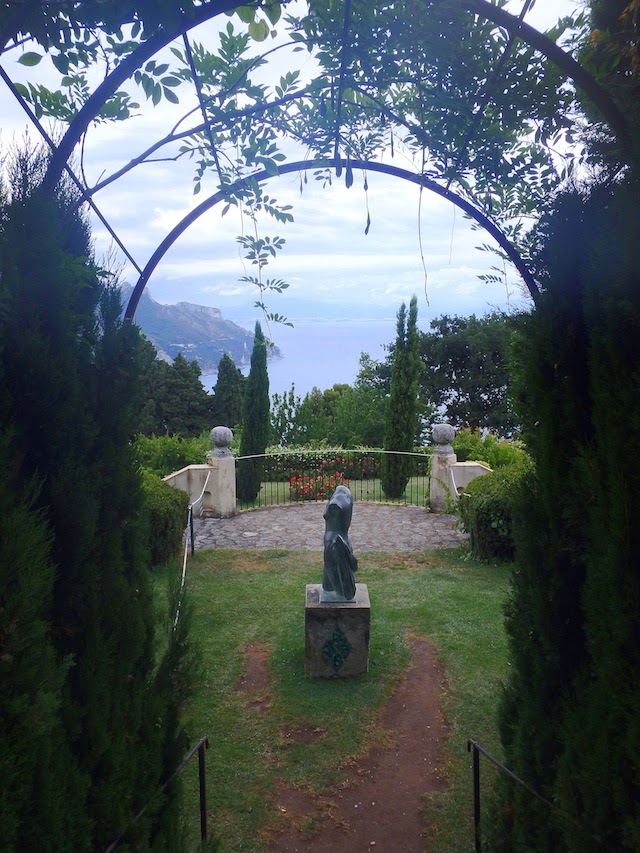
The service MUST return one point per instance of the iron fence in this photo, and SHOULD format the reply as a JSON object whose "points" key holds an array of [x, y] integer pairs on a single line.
{"points": [[199, 748], [476, 751], [312, 475]]}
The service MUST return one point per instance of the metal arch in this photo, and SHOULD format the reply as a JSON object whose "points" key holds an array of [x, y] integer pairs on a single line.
{"points": [[580, 76], [303, 165]]}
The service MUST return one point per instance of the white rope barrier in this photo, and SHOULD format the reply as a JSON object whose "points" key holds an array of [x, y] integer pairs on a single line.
{"points": [[186, 546]]}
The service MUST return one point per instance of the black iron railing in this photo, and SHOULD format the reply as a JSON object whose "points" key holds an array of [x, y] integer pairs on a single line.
{"points": [[293, 476], [476, 750], [200, 748]]}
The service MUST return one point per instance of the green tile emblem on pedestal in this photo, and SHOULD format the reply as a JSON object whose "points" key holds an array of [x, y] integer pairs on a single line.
{"points": [[336, 643], [336, 649]]}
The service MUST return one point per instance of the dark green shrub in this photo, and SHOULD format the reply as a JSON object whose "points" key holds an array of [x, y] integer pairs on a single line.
{"points": [[164, 454], [486, 510], [166, 512], [469, 445]]}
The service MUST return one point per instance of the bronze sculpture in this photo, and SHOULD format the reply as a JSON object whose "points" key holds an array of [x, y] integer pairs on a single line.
{"points": [[338, 579]]}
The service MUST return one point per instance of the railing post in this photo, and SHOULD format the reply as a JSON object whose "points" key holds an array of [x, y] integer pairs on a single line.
{"points": [[204, 744], [193, 544], [472, 748]]}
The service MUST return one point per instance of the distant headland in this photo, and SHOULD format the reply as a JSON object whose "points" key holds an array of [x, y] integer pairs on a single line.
{"points": [[196, 331]]}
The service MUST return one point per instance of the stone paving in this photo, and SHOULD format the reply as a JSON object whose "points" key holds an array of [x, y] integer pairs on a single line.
{"points": [[300, 526]]}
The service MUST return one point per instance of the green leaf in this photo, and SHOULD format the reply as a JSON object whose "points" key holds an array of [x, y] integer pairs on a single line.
{"points": [[21, 89], [30, 58], [273, 12], [247, 14], [170, 95], [61, 63], [270, 165]]}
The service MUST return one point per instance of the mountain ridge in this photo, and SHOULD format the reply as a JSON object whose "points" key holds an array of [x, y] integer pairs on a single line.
{"points": [[196, 331]]}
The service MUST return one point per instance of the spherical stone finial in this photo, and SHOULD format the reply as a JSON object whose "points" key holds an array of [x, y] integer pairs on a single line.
{"points": [[222, 437], [443, 435]]}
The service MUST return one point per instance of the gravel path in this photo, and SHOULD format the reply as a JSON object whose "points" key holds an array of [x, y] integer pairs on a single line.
{"points": [[374, 527]]}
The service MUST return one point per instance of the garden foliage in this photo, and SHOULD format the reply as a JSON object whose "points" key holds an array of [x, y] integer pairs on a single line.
{"points": [[87, 735], [486, 510], [166, 514], [164, 454], [315, 487], [570, 715], [401, 422], [227, 395], [172, 398], [255, 420], [470, 446]]}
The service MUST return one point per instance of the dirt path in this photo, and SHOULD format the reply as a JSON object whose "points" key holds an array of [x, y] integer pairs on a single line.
{"points": [[379, 805]]}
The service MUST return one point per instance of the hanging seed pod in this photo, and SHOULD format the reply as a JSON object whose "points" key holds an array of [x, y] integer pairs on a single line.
{"points": [[348, 175]]}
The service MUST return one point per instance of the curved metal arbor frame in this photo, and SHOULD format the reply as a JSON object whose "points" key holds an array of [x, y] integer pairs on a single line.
{"points": [[303, 165], [484, 9]]}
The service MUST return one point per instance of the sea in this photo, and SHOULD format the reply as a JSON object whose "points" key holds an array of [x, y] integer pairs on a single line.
{"points": [[321, 353]]}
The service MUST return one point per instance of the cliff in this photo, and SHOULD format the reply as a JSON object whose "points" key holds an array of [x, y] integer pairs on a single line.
{"points": [[196, 331]]}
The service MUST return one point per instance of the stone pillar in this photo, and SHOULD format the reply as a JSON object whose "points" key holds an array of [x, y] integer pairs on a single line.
{"points": [[220, 497], [441, 488]]}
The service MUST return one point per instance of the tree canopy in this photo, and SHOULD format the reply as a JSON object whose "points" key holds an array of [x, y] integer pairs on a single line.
{"points": [[465, 372], [481, 103]]}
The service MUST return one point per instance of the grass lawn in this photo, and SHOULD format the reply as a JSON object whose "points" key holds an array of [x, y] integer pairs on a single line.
{"points": [[242, 597]]}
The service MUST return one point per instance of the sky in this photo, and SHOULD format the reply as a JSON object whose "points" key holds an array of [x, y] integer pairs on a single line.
{"points": [[333, 269]]}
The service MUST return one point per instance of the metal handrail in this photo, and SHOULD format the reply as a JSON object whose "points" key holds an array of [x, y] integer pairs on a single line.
{"points": [[200, 747], [476, 750]]}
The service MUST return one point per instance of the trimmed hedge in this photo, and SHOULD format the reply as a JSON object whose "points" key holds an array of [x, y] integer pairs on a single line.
{"points": [[166, 511], [163, 454], [486, 510], [356, 464]]}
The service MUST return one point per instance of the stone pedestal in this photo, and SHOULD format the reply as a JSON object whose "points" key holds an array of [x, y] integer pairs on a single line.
{"points": [[221, 500], [336, 634], [442, 492]]}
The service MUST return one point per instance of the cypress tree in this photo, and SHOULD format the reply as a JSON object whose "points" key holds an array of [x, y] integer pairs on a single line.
{"points": [[228, 394], [570, 717], [38, 774], [401, 423], [255, 420], [70, 371]]}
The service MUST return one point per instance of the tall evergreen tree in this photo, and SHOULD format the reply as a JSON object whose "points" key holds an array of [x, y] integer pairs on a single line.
{"points": [[69, 370], [173, 400], [228, 394], [401, 422], [255, 421], [570, 717]]}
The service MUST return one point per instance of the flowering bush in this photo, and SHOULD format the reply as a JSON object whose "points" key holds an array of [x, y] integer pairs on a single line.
{"points": [[316, 486]]}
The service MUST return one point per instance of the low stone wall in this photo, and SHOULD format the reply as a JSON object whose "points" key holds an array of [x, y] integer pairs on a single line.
{"points": [[219, 500]]}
